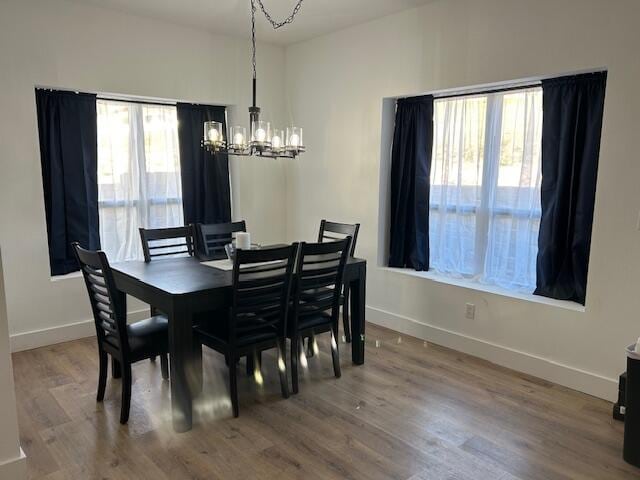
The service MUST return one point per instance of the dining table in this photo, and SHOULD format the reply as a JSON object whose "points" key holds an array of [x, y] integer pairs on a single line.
{"points": [[183, 287]]}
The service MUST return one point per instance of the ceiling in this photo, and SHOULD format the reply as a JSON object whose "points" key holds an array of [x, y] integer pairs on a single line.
{"points": [[231, 17]]}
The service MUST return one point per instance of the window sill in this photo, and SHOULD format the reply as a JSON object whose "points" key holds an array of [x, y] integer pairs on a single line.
{"points": [[461, 282], [68, 276]]}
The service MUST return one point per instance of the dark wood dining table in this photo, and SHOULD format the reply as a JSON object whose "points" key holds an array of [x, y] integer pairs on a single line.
{"points": [[184, 287]]}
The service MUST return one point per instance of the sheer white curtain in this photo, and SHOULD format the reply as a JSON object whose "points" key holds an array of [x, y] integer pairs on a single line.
{"points": [[485, 187], [138, 174]]}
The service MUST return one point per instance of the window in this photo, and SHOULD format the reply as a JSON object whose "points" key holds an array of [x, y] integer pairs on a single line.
{"points": [[138, 174], [485, 187]]}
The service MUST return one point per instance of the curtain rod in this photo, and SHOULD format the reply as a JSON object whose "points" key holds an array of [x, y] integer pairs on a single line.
{"points": [[495, 87], [489, 91], [116, 97], [141, 102]]}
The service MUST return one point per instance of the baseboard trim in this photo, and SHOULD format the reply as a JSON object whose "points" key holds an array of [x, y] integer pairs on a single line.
{"points": [[575, 378], [15, 469], [571, 377], [62, 333]]}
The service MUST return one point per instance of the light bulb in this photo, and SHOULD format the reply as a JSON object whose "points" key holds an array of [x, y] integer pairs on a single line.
{"points": [[261, 135], [238, 139], [294, 140], [276, 141], [213, 135]]}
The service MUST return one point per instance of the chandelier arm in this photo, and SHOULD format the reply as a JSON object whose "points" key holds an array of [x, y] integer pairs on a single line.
{"points": [[276, 25]]}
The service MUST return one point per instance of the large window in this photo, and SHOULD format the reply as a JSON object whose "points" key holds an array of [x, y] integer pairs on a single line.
{"points": [[485, 187], [138, 174]]}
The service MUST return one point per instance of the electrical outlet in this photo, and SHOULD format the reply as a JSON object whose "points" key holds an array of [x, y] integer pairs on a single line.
{"points": [[471, 311]]}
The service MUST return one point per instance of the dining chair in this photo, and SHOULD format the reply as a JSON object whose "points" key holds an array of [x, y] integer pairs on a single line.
{"points": [[156, 241], [257, 319], [212, 238], [316, 298], [331, 231], [126, 344]]}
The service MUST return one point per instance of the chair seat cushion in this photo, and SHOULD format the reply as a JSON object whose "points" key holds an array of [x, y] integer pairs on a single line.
{"points": [[214, 333], [318, 292], [310, 321], [146, 337]]}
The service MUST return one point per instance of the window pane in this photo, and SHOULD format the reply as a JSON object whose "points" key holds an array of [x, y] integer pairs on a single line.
{"points": [[485, 187], [139, 174], [113, 147], [456, 181], [514, 222]]}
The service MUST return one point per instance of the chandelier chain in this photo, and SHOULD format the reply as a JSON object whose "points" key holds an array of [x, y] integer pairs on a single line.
{"points": [[253, 37], [276, 25], [287, 20]]}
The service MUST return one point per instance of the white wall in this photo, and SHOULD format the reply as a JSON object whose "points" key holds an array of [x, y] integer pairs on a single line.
{"points": [[62, 44], [335, 86], [12, 464]]}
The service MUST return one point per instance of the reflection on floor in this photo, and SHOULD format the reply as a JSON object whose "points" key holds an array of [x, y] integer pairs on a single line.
{"points": [[413, 411]]}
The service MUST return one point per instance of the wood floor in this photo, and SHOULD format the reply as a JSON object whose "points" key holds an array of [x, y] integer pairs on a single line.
{"points": [[413, 411]]}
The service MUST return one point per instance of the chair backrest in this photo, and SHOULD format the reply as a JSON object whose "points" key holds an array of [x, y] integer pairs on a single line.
{"points": [[332, 231], [161, 242], [261, 289], [212, 237], [318, 279], [109, 309]]}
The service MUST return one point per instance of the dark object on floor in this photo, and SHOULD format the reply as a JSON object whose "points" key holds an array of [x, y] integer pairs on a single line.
{"points": [[631, 447], [619, 406]]}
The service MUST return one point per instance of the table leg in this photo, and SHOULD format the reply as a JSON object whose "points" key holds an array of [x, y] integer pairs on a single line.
{"points": [[185, 371], [357, 291]]}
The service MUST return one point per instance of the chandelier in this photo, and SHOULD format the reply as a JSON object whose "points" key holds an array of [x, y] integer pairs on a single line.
{"points": [[262, 140]]}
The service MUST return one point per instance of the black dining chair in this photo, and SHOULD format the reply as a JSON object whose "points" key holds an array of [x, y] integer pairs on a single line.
{"points": [[212, 238], [257, 320], [332, 231], [162, 242], [316, 298], [126, 344], [166, 242]]}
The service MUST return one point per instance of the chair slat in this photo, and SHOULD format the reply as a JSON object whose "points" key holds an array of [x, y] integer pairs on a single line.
{"points": [[261, 291], [172, 245], [214, 236], [109, 313], [346, 229], [154, 241], [319, 274]]}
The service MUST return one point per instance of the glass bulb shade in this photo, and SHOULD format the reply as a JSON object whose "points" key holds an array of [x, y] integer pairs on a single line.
{"points": [[213, 133], [294, 138], [238, 137], [261, 132], [277, 139]]}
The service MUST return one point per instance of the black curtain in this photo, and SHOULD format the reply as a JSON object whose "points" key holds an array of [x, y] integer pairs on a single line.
{"points": [[68, 133], [206, 193], [410, 176], [573, 108]]}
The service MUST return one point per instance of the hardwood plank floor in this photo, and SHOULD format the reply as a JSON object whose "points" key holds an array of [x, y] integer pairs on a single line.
{"points": [[414, 411]]}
